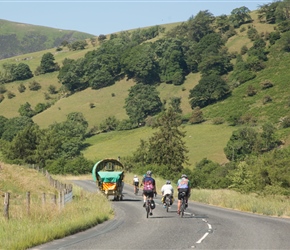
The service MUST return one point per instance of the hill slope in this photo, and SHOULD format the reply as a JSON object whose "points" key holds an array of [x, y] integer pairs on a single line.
{"points": [[20, 38], [109, 101]]}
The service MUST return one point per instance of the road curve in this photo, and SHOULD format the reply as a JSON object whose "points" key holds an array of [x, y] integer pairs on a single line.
{"points": [[203, 227]]}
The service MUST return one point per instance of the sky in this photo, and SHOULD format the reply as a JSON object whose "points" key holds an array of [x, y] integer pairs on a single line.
{"points": [[108, 16]]}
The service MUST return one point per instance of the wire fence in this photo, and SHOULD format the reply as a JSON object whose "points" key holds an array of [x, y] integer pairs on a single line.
{"points": [[63, 195]]}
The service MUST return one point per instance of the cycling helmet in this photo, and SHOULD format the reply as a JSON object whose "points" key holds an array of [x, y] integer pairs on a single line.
{"points": [[149, 173], [168, 182], [184, 176]]}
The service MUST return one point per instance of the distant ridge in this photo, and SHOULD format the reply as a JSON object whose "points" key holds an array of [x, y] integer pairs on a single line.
{"points": [[21, 38]]}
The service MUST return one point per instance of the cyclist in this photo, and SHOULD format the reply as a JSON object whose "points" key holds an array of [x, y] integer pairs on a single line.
{"points": [[135, 183], [183, 185], [149, 189], [167, 189]]}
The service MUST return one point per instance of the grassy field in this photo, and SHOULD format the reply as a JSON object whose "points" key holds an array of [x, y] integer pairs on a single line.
{"points": [[202, 141]]}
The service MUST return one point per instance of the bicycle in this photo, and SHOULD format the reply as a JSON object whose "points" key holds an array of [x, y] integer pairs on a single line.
{"points": [[136, 190], [167, 202], [183, 204], [148, 206]]}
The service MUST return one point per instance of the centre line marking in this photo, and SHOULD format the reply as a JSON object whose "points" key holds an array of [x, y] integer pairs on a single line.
{"points": [[206, 234]]}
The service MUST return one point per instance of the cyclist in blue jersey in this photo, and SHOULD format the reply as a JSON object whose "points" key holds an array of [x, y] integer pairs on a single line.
{"points": [[149, 188], [183, 185]]}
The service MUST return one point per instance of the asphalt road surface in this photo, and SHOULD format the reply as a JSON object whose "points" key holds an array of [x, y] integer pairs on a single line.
{"points": [[202, 227]]}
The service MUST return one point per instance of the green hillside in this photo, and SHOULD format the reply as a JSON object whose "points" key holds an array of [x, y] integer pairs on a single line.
{"points": [[20, 38], [97, 105]]}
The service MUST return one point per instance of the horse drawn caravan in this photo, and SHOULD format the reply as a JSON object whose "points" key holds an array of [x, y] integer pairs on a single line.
{"points": [[108, 175]]}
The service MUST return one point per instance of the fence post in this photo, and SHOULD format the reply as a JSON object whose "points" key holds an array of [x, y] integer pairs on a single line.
{"points": [[59, 199], [54, 199], [62, 196], [43, 199], [28, 202], [6, 205]]}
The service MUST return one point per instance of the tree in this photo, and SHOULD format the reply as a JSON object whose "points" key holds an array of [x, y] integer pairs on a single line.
{"points": [[210, 89], [71, 74], [71, 134], [142, 101], [266, 12], [175, 104], [222, 23], [166, 146], [200, 25], [77, 45], [215, 64], [172, 65], [14, 125], [21, 72], [26, 110], [110, 124], [242, 142], [23, 145], [47, 64], [140, 64], [3, 121], [240, 16]]}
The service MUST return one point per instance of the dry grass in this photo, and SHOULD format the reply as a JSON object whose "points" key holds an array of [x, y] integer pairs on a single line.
{"points": [[44, 222]]}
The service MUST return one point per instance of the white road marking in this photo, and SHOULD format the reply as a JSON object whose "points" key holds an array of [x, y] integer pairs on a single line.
{"points": [[206, 234]]}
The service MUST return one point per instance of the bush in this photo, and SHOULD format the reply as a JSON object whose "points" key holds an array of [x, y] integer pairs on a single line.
{"points": [[46, 96], [52, 89], [252, 34], [197, 116], [266, 84], [267, 99], [248, 119], [21, 88], [285, 122], [218, 120], [251, 91], [244, 50], [2, 89], [34, 86], [10, 95]]}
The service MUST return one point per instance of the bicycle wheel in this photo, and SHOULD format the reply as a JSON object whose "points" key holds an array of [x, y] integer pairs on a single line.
{"points": [[182, 208], [167, 201], [147, 208]]}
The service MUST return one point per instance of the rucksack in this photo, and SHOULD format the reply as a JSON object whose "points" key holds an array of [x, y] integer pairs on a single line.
{"points": [[148, 184], [152, 204]]}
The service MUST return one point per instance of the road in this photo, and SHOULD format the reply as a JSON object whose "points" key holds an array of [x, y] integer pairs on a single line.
{"points": [[202, 227]]}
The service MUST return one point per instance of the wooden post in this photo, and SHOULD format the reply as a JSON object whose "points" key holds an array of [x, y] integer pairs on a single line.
{"points": [[59, 199], [28, 202], [43, 199], [54, 199], [6, 205], [62, 196]]}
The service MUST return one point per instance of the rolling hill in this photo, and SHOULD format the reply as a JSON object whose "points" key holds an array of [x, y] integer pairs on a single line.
{"points": [[20, 38], [110, 101]]}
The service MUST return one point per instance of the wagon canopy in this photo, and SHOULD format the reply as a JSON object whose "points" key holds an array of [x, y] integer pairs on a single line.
{"points": [[107, 166], [110, 176]]}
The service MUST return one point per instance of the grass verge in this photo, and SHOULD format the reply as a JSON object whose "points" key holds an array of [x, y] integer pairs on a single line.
{"points": [[48, 223]]}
